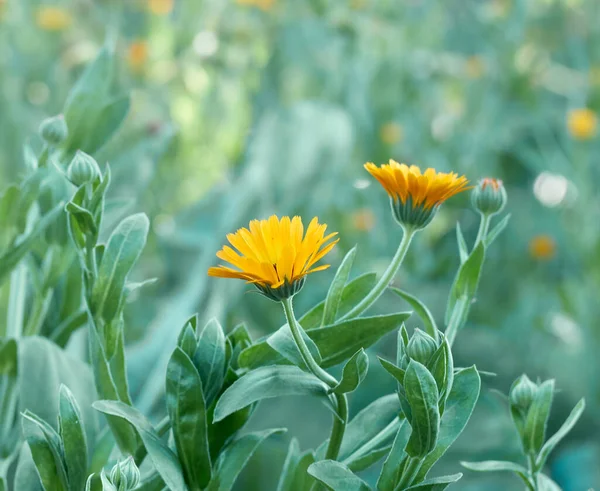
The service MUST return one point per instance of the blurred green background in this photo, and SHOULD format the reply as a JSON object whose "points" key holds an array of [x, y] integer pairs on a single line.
{"points": [[243, 108]]}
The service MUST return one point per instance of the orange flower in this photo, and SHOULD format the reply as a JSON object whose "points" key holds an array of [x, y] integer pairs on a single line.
{"points": [[137, 54]]}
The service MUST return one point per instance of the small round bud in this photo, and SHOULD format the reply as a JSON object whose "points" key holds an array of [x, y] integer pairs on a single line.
{"points": [[125, 475], [489, 196], [421, 347], [82, 169], [54, 130], [523, 392]]}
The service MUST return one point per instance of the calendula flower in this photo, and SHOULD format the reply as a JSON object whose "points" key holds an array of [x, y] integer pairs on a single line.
{"points": [[542, 247], [53, 18], [489, 196], [391, 133], [160, 7], [582, 123], [137, 54], [416, 196], [275, 254]]}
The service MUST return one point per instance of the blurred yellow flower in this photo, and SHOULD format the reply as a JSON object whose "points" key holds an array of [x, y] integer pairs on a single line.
{"points": [[582, 123], [137, 54], [363, 219], [391, 133], [474, 67], [415, 196], [51, 18], [594, 75], [275, 254], [542, 247], [265, 5], [160, 7]]}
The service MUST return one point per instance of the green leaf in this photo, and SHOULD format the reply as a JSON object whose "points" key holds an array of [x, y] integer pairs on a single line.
{"points": [[13, 255], [459, 406], [393, 370], [354, 372], [187, 413], [294, 476], [283, 342], [422, 394], [534, 433], [45, 446], [360, 463], [560, 434], [544, 483], [422, 311], [261, 354], [463, 250], [366, 425], [8, 357], [495, 466], [441, 367], [74, 444], [209, 359], [334, 296], [337, 476], [496, 231], [164, 460], [27, 477], [392, 467], [436, 483], [122, 251], [234, 458], [467, 279], [108, 121], [84, 218], [265, 383]]}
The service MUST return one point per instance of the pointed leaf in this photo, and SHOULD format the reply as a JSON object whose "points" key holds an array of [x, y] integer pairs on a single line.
{"points": [[234, 458], [496, 231], [337, 476], [436, 484], [210, 359], [463, 250], [164, 460], [265, 383], [422, 311], [393, 370], [467, 279], [537, 417], [283, 342], [187, 413], [294, 476], [354, 372], [392, 467], [334, 296], [73, 439]]}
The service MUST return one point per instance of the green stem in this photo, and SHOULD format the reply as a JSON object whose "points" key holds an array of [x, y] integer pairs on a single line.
{"points": [[484, 226], [410, 472], [341, 402], [385, 279], [532, 472], [456, 319]]}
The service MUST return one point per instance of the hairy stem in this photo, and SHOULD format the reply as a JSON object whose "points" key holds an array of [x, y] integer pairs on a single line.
{"points": [[385, 279]]}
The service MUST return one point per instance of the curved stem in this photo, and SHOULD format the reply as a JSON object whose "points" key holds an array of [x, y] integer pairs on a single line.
{"points": [[341, 402], [385, 279], [410, 472], [484, 225]]}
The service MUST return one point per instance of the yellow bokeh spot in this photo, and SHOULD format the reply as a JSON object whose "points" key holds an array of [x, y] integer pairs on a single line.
{"points": [[582, 123], [53, 18], [265, 5], [542, 247], [391, 133], [474, 67], [160, 7], [363, 220], [137, 54]]}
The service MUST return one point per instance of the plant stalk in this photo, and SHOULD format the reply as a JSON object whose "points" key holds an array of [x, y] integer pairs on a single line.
{"points": [[385, 279], [341, 402], [484, 226]]}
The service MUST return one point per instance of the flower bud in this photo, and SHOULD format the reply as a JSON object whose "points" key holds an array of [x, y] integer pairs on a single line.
{"points": [[489, 196], [54, 130], [522, 393], [125, 475], [421, 347], [82, 169]]}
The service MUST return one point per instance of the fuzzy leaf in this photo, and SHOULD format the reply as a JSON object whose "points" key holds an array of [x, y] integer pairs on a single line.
{"points": [[355, 371], [334, 296], [209, 358], [337, 476]]}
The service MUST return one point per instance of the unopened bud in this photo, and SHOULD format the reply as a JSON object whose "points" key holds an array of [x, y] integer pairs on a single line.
{"points": [[489, 196], [523, 393], [54, 130], [82, 169], [421, 347], [125, 475]]}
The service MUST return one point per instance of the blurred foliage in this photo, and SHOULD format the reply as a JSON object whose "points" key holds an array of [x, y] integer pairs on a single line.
{"points": [[243, 108]]}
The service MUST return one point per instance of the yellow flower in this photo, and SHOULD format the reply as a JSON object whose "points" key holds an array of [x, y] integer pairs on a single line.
{"points": [[582, 123], [542, 247], [415, 196], [160, 7], [137, 54], [53, 18], [391, 133], [275, 254]]}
